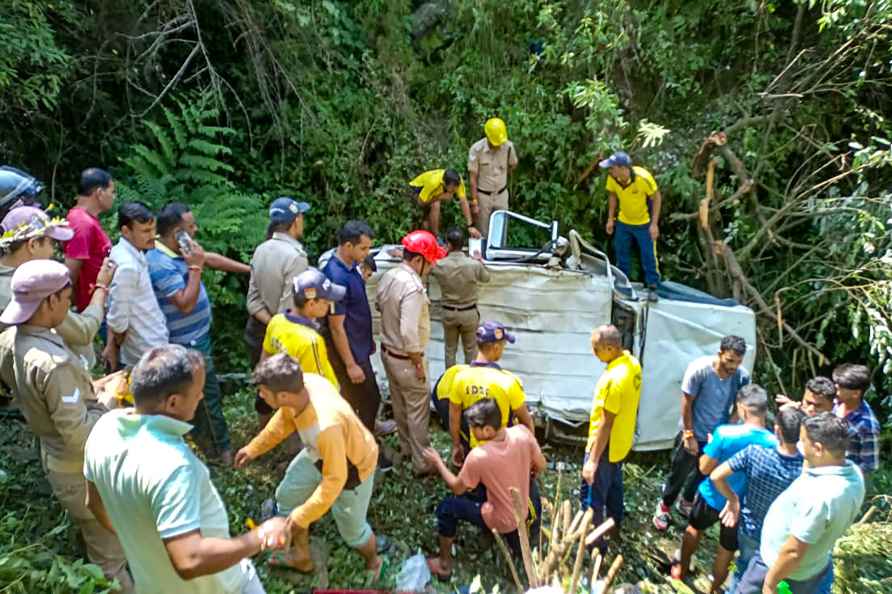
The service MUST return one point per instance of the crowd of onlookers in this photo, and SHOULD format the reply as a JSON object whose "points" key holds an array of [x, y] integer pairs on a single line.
{"points": [[782, 491]]}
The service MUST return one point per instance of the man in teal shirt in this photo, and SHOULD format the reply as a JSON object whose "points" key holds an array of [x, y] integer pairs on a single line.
{"points": [[805, 521], [144, 482]]}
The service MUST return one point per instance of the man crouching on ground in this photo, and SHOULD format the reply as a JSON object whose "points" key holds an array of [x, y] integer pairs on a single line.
{"points": [[335, 470]]}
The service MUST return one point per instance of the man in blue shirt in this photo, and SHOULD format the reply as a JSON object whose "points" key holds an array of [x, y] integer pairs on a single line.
{"points": [[852, 381], [727, 440], [804, 522], [175, 267], [349, 336], [768, 473], [708, 389]]}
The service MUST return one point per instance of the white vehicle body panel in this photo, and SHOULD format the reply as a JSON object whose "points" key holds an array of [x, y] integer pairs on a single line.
{"points": [[553, 311]]}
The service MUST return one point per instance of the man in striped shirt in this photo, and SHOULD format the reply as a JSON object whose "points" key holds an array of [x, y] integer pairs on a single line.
{"points": [[175, 267]]}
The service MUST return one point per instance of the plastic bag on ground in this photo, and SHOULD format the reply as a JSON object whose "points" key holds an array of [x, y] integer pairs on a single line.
{"points": [[414, 574]]}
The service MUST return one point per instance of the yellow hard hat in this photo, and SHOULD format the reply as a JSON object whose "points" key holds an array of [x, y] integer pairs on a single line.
{"points": [[496, 131]]}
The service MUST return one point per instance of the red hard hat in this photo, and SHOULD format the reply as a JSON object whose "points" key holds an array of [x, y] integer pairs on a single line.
{"points": [[424, 243]]}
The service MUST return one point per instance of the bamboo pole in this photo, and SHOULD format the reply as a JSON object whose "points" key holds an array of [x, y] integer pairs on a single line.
{"points": [[507, 554], [580, 552], [519, 516], [596, 556], [599, 531], [611, 573]]}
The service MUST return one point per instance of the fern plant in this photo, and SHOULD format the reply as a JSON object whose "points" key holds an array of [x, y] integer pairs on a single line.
{"points": [[184, 159]]}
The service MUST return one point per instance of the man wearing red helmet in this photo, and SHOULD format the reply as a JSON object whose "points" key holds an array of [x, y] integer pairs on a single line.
{"points": [[405, 330]]}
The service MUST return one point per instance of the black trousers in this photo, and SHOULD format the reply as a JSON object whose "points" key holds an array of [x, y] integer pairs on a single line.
{"points": [[253, 337], [365, 398], [684, 474]]}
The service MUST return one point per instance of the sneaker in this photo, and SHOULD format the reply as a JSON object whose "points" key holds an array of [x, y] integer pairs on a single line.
{"points": [[684, 507], [385, 427], [385, 464], [662, 517]]}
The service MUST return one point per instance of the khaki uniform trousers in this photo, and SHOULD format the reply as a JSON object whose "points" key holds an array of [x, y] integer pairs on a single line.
{"points": [[487, 204], [411, 408], [460, 324], [103, 548]]}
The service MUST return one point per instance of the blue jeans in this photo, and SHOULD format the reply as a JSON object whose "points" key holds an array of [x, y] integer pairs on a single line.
{"points": [[623, 236], [747, 547], [754, 576], [210, 433], [605, 493]]}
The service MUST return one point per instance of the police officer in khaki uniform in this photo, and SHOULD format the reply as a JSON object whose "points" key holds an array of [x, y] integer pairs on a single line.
{"points": [[459, 277], [274, 265], [405, 331], [490, 161], [29, 234], [57, 397]]}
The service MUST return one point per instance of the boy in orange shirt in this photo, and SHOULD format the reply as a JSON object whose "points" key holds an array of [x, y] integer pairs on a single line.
{"points": [[336, 469]]}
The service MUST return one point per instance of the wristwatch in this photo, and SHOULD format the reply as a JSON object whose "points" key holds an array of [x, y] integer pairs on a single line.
{"points": [[687, 434]]}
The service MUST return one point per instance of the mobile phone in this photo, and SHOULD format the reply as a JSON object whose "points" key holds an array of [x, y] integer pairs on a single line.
{"points": [[185, 242]]}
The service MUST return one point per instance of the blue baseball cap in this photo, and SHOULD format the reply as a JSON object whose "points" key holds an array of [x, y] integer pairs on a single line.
{"points": [[285, 210], [493, 332], [312, 284], [617, 159]]}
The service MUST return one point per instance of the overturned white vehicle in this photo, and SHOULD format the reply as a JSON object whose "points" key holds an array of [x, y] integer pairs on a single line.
{"points": [[551, 292]]}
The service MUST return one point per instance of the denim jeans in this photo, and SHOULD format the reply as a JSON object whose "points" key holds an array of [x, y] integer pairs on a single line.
{"points": [[606, 493], [623, 236], [210, 433]]}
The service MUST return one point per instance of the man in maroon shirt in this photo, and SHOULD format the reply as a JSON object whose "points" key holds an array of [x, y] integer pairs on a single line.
{"points": [[90, 245]]}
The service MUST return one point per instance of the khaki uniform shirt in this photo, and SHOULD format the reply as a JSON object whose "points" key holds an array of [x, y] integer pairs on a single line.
{"points": [[491, 166], [77, 330], [274, 265], [54, 392], [405, 310], [459, 277]]}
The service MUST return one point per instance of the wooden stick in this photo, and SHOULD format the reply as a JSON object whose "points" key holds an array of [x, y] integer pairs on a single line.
{"points": [[611, 573], [565, 522], [573, 525], [519, 517], [596, 556], [580, 552], [599, 531], [507, 554]]}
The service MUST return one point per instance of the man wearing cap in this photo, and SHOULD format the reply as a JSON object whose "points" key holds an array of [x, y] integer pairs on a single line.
{"points": [[29, 234], [611, 428], [463, 385], [639, 199], [274, 265], [440, 185], [491, 161], [459, 277], [175, 266], [57, 398], [405, 331], [296, 331], [135, 321], [90, 245], [336, 469]]}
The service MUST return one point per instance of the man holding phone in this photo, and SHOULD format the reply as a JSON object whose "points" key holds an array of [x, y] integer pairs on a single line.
{"points": [[175, 267]]}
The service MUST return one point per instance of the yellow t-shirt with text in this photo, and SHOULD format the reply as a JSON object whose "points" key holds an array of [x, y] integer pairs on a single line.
{"points": [[618, 391], [290, 334], [466, 384], [633, 198]]}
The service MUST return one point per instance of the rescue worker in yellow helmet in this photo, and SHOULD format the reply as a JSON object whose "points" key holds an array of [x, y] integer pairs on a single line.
{"points": [[490, 161]]}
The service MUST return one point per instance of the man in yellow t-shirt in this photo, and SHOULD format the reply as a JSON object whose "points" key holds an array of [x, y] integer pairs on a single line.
{"points": [[435, 186], [295, 332], [611, 428], [635, 191], [463, 385]]}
